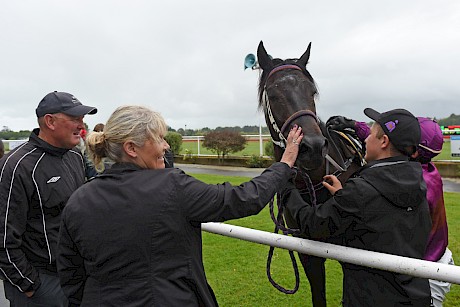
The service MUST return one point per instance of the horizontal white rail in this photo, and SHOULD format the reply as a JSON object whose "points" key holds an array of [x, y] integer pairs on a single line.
{"points": [[398, 264]]}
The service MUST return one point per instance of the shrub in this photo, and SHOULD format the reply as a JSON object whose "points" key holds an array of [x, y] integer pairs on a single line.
{"points": [[269, 151], [255, 162], [174, 140]]}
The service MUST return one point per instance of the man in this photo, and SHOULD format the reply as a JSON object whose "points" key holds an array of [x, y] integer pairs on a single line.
{"points": [[382, 208], [430, 145], [37, 179]]}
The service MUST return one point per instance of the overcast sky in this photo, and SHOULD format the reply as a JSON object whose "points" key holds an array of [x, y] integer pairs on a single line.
{"points": [[185, 58]]}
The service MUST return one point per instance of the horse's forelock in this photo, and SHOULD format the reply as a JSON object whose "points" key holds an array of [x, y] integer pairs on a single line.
{"points": [[262, 78], [278, 62]]}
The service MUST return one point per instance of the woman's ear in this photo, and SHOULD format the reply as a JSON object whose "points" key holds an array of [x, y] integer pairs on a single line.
{"points": [[130, 149]]}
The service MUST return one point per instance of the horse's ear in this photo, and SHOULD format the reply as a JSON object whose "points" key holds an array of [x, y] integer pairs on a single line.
{"points": [[262, 57], [304, 58]]}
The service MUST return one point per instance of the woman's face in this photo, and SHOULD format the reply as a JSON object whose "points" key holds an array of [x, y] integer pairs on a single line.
{"points": [[152, 154]]}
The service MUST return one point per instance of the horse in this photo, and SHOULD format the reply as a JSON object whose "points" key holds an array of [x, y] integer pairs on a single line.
{"points": [[286, 94]]}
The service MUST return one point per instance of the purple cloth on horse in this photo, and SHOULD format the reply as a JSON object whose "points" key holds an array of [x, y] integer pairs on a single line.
{"points": [[438, 238], [362, 130]]}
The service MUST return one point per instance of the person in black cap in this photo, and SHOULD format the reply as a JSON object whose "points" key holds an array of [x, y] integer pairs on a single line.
{"points": [[430, 145], [37, 179], [381, 208]]}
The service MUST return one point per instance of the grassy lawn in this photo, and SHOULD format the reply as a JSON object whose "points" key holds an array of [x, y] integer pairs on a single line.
{"points": [[252, 148], [445, 154], [236, 268]]}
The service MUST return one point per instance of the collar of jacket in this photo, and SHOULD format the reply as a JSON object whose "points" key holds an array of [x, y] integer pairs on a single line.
{"points": [[387, 160], [121, 167], [46, 147]]}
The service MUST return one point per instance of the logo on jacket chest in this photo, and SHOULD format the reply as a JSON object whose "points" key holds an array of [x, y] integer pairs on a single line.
{"points": [[53, 179]]}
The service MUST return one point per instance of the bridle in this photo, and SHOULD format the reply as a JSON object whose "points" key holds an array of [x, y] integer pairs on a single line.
{"points": [[281, 142]]}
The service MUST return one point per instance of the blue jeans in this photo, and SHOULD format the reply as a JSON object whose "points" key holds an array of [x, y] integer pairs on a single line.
{"points": [[49, 293]]}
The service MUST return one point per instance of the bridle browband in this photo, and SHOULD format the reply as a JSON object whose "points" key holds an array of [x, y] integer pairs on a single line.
{"points": [[280, 132]]}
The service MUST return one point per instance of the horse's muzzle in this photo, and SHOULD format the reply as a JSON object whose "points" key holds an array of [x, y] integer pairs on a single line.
{"points": [[312, 151]]}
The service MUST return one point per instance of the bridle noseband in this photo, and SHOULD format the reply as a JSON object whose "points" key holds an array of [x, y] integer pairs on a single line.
{"points": [[280, 132]]}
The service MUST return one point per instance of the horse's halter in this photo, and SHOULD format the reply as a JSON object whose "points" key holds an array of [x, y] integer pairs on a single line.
{"points": [[282, 140]]}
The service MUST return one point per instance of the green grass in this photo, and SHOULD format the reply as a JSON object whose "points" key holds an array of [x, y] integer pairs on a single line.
{"points": [[252, 148], [445, 154], [236, 268]]}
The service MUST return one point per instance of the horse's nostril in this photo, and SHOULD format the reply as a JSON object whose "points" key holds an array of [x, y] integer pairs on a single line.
{"points": [[303, 148]]}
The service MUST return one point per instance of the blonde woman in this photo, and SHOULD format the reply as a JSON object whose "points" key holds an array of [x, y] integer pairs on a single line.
{"points": [[132, 236]]}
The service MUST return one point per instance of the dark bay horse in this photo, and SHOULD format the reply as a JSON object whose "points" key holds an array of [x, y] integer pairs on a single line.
{"points": [[287, 94]]}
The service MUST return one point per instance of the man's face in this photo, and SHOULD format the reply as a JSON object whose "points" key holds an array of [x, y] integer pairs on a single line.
{"points": [[373, 144], [67, 130]]}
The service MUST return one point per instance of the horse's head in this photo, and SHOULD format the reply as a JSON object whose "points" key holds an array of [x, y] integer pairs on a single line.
{"points": [[287, 95]]}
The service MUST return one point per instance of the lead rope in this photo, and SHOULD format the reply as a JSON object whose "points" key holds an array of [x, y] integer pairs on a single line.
{"points": [[280, 224]]}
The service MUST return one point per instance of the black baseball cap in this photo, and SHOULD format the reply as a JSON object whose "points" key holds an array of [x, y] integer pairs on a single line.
{"points": [[61, 102], [401, 127]]}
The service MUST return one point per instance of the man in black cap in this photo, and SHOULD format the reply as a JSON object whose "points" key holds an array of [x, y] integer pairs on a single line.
{"points": [[381, 208], [37, 179]]}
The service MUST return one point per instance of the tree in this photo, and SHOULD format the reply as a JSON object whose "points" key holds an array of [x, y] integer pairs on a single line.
{"points": [[450, 121], [7, 134], [224, 142], [174, 140]]}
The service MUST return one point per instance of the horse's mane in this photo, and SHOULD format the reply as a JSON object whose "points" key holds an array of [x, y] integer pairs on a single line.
{"points": [[278, 62]]}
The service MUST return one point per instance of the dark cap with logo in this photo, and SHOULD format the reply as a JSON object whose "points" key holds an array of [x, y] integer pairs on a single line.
{"points": [[60, 102], [401, 127]]}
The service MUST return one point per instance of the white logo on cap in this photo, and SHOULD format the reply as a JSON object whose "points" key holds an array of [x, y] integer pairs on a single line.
{"points": [[74, 100]]}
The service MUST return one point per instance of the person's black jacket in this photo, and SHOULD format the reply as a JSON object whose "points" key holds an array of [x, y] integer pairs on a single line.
{"points": [[383, 209], [132, 236], [169, 159], [36, 180]]}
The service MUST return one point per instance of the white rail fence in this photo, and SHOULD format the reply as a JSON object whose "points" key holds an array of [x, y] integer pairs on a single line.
{"points": [[251, 137], [398, 264]]}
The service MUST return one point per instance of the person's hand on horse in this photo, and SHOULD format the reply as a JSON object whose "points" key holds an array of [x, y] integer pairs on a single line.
{"points": [[340, 123], [332, 184], [292, 147]]}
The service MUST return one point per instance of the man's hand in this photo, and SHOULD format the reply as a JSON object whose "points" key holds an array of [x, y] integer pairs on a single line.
{"points": [[332, 184], [340, 123], [29, 293]]}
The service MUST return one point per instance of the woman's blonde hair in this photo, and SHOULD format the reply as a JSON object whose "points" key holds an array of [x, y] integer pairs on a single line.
{"points": [[127, 123]]}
